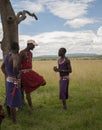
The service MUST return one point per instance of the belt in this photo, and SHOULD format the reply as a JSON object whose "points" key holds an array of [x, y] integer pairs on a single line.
{"points": [[25, 70], [64, 77], [11, 79]]}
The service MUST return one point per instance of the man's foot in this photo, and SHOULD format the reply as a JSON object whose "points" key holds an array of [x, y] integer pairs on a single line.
{"points": [[14, 122], [65, 107], [44, 83]]}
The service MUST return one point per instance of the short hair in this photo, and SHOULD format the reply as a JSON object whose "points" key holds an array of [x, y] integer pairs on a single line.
{"points": [[63, 49], [14, 46]]}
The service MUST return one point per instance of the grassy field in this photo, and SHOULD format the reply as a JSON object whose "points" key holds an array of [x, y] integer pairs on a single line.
{"points": [[84, 105]]}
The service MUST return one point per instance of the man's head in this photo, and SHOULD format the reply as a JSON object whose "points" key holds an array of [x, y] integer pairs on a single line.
{"points": [[61, 51], [31, 44], [14, 47]]}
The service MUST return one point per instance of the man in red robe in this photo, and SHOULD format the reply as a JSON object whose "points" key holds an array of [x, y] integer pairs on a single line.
{"points": [[29, 78]]}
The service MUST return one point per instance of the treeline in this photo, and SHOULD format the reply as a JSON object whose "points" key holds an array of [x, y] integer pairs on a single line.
{"points": [[97, 57]]}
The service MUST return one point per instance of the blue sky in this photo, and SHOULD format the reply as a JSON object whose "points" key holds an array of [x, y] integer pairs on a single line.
{"points": [[73, 24]]}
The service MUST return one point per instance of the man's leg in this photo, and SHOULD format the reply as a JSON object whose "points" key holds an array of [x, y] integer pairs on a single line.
{"points": [[1, 114], [13, 113], [22, 92], [28, 97], [64, 104], [8, 111]]}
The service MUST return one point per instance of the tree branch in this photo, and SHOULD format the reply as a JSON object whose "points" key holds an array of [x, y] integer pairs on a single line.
{"points": [[22, 15], [31, 14]]}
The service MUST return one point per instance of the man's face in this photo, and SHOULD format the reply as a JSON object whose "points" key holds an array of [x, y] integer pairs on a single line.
{"points": [[60, 53], [31, 46]]}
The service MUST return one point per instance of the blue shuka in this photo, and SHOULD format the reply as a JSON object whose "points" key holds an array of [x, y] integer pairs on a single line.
{"points": [[15, 100]]}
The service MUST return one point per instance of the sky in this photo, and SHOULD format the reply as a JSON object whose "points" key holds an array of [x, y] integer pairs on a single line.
{"points": [[73, 24]]}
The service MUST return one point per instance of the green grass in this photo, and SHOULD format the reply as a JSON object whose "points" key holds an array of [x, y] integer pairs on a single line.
{"points": [[84, 105]]}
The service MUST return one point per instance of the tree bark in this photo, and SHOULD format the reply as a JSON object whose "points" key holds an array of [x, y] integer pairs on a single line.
{"points": [[10, 24]]}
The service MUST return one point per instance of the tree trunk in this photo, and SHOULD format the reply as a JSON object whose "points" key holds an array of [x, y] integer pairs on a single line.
{"points": [[10, 23]]}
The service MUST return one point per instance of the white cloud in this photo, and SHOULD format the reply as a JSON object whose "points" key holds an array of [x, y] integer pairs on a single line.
{"points": [[74, 42], [1, 33], [66, 9], [99, 32], [28, 5], [98, 39], [73, 10], [80, 22]]}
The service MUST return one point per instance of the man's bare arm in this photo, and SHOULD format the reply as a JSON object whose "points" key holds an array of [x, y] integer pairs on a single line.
{"points": [[16, 65]]}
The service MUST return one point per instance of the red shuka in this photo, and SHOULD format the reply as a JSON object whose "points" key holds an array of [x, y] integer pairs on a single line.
{"points": [[30, 79]]}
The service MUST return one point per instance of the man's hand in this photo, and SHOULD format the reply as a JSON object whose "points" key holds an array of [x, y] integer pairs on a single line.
{"points": [[55, 68]]}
